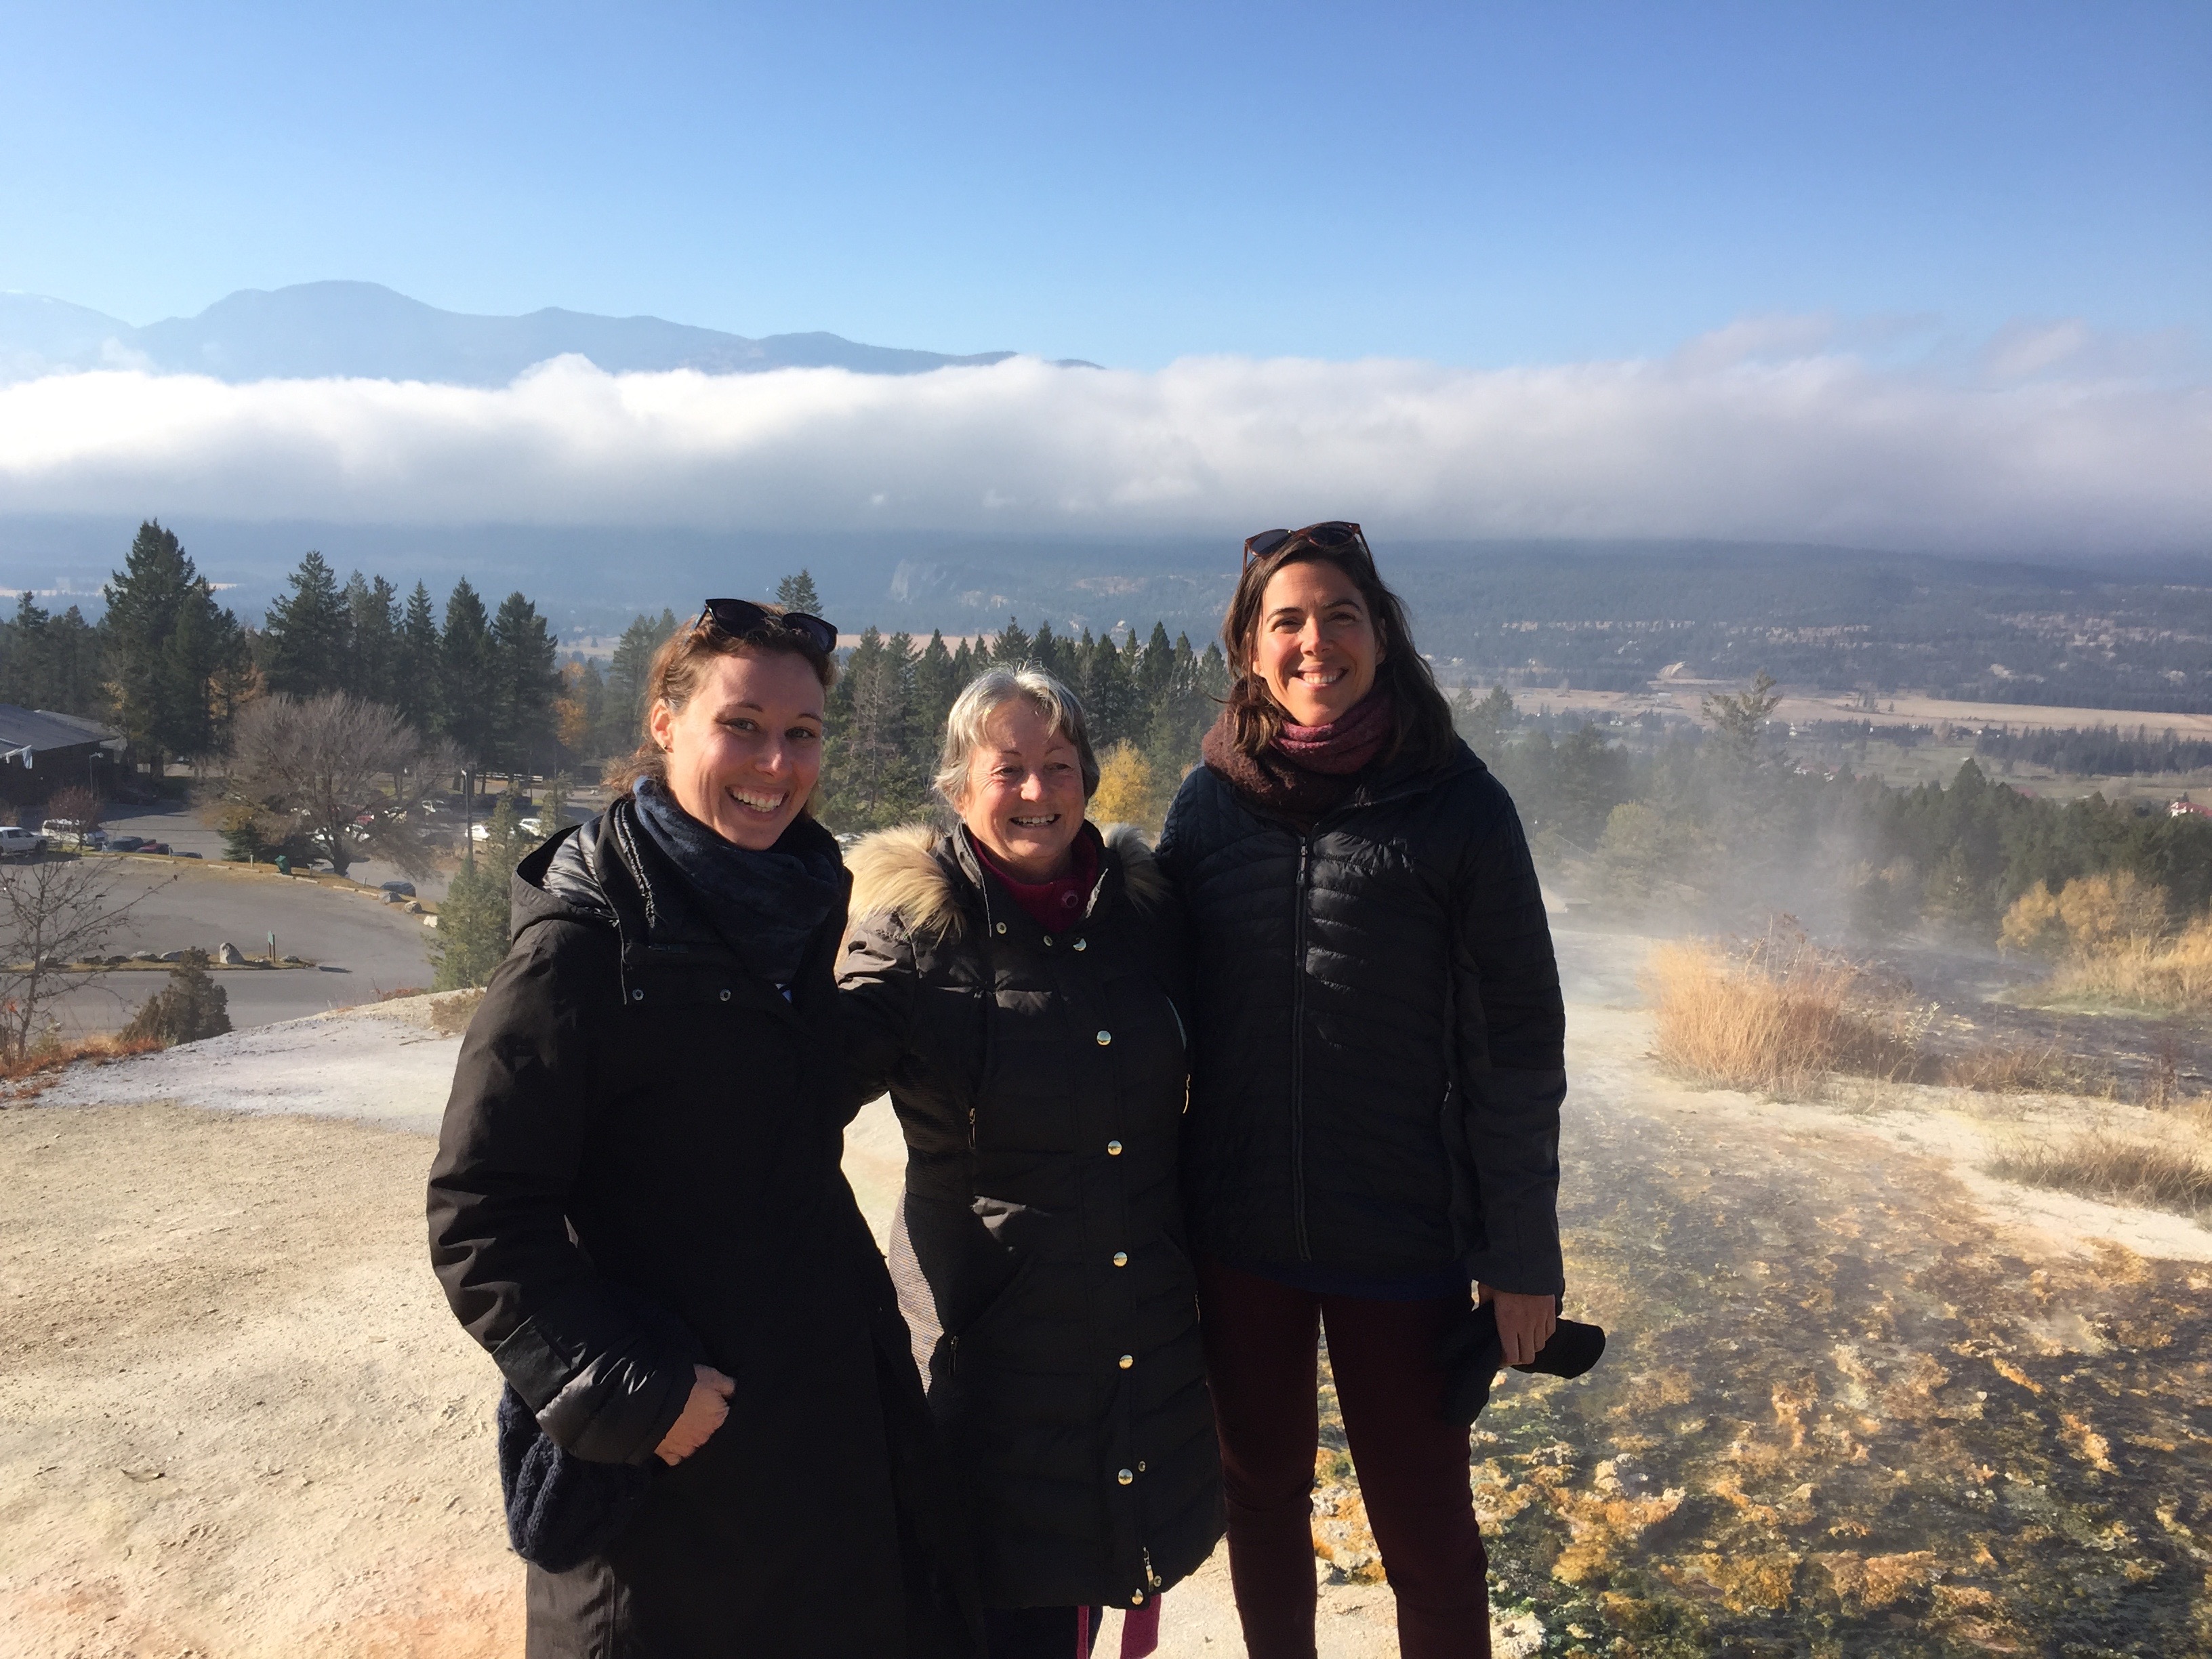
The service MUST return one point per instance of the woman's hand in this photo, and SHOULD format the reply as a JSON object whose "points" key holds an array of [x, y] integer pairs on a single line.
{"points": [[1525, 1323], [703, 1414]]}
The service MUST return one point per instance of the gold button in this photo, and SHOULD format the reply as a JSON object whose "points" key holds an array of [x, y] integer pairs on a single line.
{"points": [[1124, 1477], [1127, 1360], [1105, 1037], [1120, 1258], [1136, 1598], [1079, 945], [1002, 926], [1140, 1466], [1113, 1148]]}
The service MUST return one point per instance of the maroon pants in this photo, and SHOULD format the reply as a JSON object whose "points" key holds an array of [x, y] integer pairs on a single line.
{"points": [[1413, 1466]]}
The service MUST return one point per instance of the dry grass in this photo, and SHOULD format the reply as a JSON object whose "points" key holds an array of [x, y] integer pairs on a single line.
{"points": [[2172, 975], [2034, 1068], [1775, 1018], [2098, 1163], [43, 1064]]}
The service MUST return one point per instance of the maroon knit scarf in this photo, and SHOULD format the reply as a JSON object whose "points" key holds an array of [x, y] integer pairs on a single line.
{"points": [[1309, 770], [1056, 905]]}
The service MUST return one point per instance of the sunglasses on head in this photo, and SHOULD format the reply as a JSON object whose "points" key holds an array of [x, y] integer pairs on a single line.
{"points": [[1329, 535], [740, 618]]}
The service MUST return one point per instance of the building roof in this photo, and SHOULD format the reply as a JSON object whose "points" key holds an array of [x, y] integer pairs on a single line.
{"points": [[41, 728]]}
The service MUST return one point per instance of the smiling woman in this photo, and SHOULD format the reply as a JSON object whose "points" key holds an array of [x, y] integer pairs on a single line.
{"points": [[637, 1208]]}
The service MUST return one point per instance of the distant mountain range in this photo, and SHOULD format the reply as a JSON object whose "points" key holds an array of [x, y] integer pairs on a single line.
{"points": [[361, 329]]}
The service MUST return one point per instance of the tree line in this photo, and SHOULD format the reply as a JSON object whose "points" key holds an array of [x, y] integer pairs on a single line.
{"points": [[1722, 820]]}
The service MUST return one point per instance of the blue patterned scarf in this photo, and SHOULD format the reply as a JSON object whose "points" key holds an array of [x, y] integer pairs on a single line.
{"points": [[765, 905]]}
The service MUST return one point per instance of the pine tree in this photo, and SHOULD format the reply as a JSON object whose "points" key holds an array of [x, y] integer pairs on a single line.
{"points": [[166, 643], [191, 1007], [1156, 669], [1108, 697], [306, 638], [527, 681], [1051, 654], [1013, 649], [627, 671], [797, 593], [967, 662], [936, 683], [416, 659], [372, 620], [468, 686], [472, 921]]}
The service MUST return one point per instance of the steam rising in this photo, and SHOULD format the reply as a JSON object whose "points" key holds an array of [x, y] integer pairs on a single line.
{"points": [[1820, 445]]}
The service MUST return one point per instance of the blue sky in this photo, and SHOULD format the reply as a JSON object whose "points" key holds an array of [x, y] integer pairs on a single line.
{"points": [[1479, 185]]}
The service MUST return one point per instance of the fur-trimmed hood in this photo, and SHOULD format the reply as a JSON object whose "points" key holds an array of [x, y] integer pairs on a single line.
{"points": [[897, 871]]}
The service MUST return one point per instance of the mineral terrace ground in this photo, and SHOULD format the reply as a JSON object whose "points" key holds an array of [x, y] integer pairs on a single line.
{"points": [[1862, 1400]]}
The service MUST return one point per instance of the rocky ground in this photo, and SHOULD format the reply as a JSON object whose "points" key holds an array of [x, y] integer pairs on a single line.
{"points": [[1862, 1399]]}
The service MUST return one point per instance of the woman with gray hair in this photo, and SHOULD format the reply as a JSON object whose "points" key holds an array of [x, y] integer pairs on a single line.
{"points": [[1012, 982]]}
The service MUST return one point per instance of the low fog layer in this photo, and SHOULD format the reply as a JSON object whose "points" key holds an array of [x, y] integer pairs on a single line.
{"points": [[1820, 446]]}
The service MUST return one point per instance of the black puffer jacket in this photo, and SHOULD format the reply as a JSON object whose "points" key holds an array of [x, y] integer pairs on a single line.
{"points": [[637, 1119], [1379, 1068], [1039, 1253]]}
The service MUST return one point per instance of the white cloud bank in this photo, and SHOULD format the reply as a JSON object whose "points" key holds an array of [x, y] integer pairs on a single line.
{"points": [[1820, 446]]}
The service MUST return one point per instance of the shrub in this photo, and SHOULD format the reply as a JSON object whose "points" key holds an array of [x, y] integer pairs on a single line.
{"points": [[2172, 975], [1126, 792], [189, 1007], [1773, 1018], [472, 920]]}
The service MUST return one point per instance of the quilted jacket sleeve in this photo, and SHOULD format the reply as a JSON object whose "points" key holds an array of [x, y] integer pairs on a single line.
{"points": [[606, 1378], [1511, 1038]]}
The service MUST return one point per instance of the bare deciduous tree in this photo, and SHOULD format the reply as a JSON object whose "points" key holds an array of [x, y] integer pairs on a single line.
{"points": [[348, 774], [52, 912]]}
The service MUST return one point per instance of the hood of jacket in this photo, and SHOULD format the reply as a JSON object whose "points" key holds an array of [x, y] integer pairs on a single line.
{"points": [[927, 877]]}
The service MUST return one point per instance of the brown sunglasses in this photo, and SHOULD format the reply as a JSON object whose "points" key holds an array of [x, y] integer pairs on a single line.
{"points": [[1330, 535]]}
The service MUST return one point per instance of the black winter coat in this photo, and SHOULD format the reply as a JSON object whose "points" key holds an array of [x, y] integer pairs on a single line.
{"points": [[635, 1116], [1379, 1032], [1040, 1079]]}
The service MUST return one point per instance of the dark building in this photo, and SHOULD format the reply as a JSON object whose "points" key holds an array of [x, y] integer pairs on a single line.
{"points": [[41, 751]]}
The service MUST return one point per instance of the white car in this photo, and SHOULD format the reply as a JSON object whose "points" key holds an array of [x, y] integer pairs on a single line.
{"points": [[17, 842]]}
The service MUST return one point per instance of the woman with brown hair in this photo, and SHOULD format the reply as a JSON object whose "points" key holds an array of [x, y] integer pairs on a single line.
{"points": [[1376, 1085], [712, 1440]]}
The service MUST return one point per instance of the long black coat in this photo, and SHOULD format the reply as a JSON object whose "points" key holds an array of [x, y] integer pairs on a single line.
{"points": [[1039, 1253], [637, 1116], [1379, 1032]]}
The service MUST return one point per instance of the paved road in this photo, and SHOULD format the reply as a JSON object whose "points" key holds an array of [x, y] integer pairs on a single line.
{"points": [[180, 827], [365, 948]]}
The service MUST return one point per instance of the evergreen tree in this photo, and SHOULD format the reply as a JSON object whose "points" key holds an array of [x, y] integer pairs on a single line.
{"points": [[373, 626], [582, 709], [872, 777], [627, 671], [306, 638], [937, 682], [415, 663], [797, 593], [1109, 696], [1053, 654], [1156, 669], [966, 665], [191, 1006], [468, 678], [167, 644], [1013, 649], [472, 921], [527, 681]]}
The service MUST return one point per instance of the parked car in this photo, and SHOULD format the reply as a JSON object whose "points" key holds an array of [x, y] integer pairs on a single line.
{"points": [[17, 842], [401, 888], [126, 843], [156, 847], [188, 856]]}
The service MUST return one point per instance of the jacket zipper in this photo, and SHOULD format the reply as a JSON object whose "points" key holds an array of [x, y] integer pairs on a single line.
{"points": [[1297, 1055]]}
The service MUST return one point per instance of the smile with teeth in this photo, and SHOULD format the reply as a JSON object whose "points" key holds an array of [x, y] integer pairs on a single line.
{"points": [[1321, 675], [1044, 823], [756, 801]]}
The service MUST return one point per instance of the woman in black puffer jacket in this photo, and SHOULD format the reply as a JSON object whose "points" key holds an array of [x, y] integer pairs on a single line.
{"points": [[637, 1208], [1013, 984], [1376, 1092]]}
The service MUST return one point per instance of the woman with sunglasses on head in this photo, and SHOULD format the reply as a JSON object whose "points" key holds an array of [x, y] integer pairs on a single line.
{"points": [[1376, 1089], [712, 1440], [1013, 983]]}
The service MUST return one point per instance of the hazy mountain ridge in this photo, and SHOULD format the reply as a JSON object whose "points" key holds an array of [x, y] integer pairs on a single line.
{"points": [[365, 331]]}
